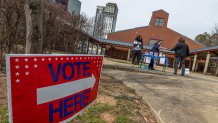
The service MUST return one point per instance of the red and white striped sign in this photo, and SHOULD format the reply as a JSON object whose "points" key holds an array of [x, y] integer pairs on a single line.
{"points": [[51, 88]]}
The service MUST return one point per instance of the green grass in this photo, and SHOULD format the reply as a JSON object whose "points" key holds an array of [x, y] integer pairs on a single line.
{"points": [[124, 107], [123, 119], [3, 115], [124, 110], [92, 114]]}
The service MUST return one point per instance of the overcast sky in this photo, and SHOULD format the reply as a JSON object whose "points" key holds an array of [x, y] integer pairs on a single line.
{"points": [[189, 17]]}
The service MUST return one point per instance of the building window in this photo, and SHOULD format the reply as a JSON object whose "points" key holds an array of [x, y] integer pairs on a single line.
{"points": [[159, 22], [152, 42]]}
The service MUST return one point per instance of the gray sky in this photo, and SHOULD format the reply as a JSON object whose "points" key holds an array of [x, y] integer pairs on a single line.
{"points": [[189, 17]]}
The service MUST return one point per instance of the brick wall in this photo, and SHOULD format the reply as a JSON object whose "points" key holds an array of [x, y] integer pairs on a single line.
{"points": [[150, 32], [168, 36]]}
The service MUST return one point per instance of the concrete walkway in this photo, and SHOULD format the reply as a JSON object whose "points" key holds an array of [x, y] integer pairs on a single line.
{"points": [[174, 99]]}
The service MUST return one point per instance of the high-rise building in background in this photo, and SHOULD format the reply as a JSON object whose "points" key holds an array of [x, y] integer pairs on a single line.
{"points": [[105, 20], [72, 6], [62, 2]]}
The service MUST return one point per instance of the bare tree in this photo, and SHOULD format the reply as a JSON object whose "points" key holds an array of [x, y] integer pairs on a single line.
{"points": [[22, 25], [209, 39], [34, 26], [54, 14], [11, 22], [88, 24], [64, 31], [214, 36], [78, 25], [11, 26]]}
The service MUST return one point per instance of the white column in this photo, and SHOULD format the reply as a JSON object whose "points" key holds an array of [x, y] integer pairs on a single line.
{"points": [[206, 63], [194, 63], [190, 63], [101, 50], [87, 48], [196, 67], [92, 48], [128, 57], [97, 49], [216, 69]]}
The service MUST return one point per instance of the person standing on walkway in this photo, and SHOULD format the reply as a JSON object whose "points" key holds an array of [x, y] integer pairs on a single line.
{"points": [[155, 49], [138, 45], [181, 52]]}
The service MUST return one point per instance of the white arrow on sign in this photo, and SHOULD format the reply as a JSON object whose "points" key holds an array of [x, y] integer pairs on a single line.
{"points": [[48, 94]]}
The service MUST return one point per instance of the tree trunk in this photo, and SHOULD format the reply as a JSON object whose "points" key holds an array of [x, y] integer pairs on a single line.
{"points": [[34, 26], [66, 44], [1, 56], [82, 46]]}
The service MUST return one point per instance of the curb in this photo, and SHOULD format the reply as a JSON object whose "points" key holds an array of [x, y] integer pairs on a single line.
{"points": [[138, 70]]}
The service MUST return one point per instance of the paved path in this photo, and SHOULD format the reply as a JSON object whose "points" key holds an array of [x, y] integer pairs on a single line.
{"points": [[175, 99]]}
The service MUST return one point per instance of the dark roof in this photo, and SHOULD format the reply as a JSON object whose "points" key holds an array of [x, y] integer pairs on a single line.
{"points": [[125, 44], [129, 29], [212, 48], [115, 42]]}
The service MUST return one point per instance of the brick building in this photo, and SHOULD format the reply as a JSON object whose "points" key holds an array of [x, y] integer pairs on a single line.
{"points": [[157, 30]]}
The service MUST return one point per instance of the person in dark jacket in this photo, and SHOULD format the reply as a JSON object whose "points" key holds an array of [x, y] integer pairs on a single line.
{"points": [[155, 49], [138, 45], [181, 52]]}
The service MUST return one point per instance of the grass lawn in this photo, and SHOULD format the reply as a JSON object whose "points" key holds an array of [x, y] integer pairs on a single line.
{"points": [[3, 115]]}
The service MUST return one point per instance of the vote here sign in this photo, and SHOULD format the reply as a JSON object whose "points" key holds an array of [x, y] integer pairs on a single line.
{"points": [[51, 88]]}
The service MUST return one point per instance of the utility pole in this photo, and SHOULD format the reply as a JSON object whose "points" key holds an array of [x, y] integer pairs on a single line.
{"points": [[34, 26]]}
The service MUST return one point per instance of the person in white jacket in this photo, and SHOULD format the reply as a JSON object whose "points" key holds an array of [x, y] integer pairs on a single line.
{"points": [[138, 45]]}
